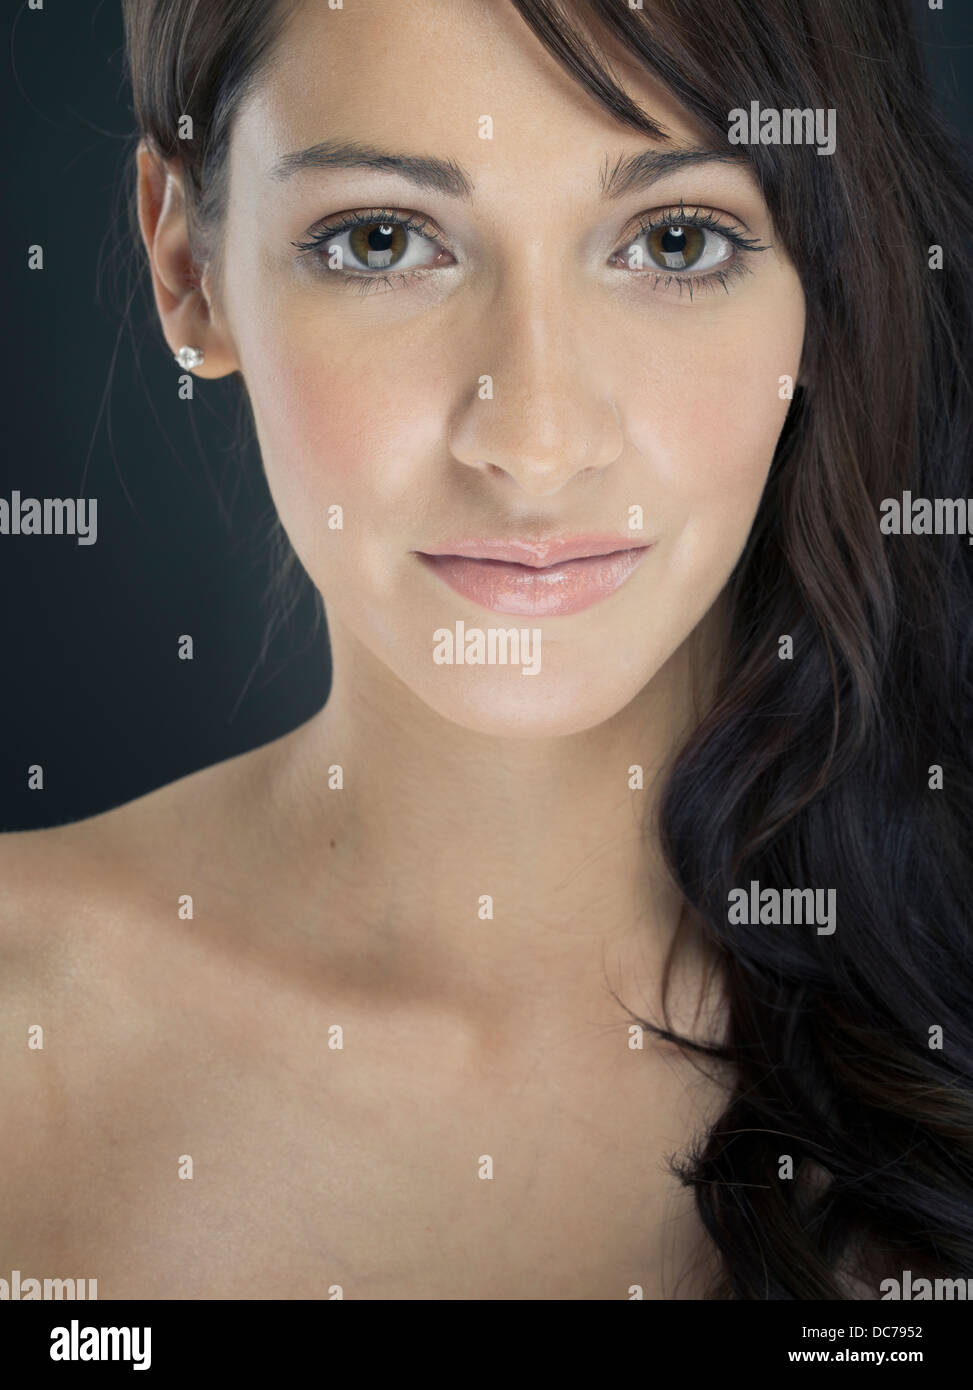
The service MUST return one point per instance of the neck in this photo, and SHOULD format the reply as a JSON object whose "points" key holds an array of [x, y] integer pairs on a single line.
{"points": [[499, 872]]}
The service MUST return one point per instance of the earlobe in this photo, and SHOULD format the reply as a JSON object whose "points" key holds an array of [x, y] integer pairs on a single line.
{"points": [[178, 283]]}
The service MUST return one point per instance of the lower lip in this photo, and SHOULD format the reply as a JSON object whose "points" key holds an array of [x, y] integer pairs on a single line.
{"points": [[556, 589]]}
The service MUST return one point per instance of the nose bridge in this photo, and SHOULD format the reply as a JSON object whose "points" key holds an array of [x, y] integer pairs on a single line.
{"points": [[543, 417], [532, 341]]}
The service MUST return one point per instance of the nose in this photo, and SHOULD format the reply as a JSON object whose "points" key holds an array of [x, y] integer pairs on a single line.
{"points": [[537, 414]]}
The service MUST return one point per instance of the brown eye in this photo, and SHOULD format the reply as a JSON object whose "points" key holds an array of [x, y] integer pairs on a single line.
{"points": [[676, 248], [379, 244]]}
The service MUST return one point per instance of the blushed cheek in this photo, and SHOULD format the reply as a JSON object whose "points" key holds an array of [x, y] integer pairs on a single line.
{"points": [[714, 410], [718, 404], [346, 430], [735, 433]]}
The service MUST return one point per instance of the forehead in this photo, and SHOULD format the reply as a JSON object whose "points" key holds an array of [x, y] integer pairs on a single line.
{"points": [[410, 75]]}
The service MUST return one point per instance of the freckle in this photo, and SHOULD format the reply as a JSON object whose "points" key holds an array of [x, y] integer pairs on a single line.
{"points": [[332, 844]]}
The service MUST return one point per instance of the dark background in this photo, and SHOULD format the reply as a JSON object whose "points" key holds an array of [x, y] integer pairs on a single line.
{"points": [[92, 688]]}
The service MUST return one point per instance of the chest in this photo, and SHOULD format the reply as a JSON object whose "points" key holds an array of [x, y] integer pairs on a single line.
{"points": [[396, 1168]]}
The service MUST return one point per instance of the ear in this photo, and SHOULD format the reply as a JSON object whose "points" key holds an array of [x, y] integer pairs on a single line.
{"points": [[186, 309]]}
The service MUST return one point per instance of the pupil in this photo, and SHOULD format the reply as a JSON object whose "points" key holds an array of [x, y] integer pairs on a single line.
{"points": [[381, 238], [673, 240]]}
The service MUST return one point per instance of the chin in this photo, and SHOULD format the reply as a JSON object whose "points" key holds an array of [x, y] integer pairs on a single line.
{"points": [[509, 704]]}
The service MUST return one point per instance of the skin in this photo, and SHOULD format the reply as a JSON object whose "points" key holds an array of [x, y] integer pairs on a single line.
{"points": [[463, 1037]]}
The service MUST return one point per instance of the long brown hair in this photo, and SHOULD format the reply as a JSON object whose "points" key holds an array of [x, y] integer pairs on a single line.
{"points": [[819, 770]]}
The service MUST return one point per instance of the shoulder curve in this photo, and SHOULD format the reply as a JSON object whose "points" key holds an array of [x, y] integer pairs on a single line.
{"points": [[44, 874], [99, 863]]}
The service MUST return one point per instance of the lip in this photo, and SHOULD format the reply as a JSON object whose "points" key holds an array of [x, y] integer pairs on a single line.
{"points": [[543, 578]]}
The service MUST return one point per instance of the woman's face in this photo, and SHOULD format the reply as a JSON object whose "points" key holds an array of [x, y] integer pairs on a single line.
{"points": [[522, 363]]}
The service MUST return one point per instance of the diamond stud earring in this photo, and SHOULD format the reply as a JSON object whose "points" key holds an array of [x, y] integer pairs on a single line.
{"points": [[189, 357]]}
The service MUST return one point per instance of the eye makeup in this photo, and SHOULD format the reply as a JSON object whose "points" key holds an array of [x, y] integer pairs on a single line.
{"points": [[695, 249]]}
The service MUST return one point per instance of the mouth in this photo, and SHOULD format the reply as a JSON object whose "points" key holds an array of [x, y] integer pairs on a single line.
{"points": [[538, 579]]}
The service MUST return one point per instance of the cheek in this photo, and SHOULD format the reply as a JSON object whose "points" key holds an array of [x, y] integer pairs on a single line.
{"points": [[715, 407], [344, 428]]}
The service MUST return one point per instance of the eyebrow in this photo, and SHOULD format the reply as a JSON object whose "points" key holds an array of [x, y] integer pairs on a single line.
{"points": [[637, 171], [440, 175], [630, 173]]}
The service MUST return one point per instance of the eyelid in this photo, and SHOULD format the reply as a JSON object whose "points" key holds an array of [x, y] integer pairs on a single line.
{"points": [[644, 223], [318, 235], [424, 226], [697, 216]]}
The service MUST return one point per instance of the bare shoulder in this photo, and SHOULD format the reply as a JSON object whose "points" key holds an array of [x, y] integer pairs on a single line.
{"points": [[99, 947], [108, 989], [44, 875], [66, 888]]}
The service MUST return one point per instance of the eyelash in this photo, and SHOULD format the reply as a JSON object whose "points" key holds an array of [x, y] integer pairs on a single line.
{"points": [[705, 221], [367, 281]]}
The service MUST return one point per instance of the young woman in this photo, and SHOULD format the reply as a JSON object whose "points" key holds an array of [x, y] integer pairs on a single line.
{"points": [[606, 934]]}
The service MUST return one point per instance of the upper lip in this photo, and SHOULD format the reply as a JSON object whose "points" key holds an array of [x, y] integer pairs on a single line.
{"points": [[538, 554]]}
